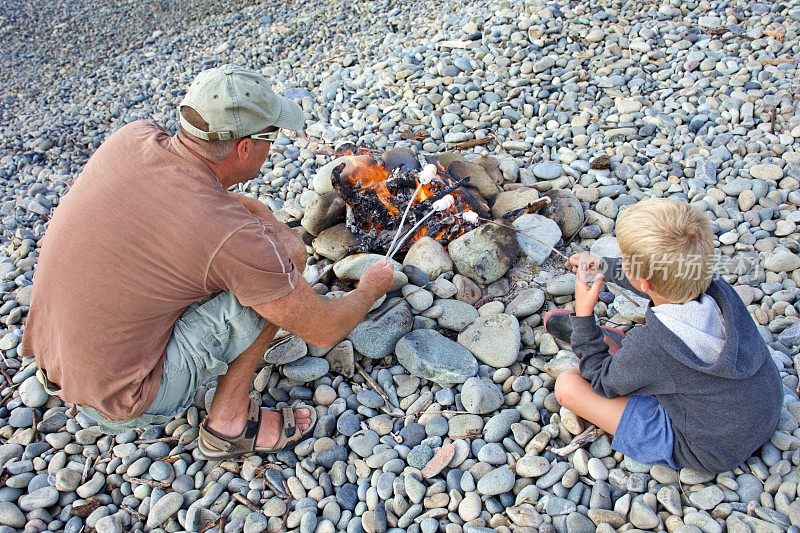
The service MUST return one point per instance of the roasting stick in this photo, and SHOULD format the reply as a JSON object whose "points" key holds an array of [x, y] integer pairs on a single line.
{"points": [[631, 300], [425, 176], [446, 202], [471, 216]]}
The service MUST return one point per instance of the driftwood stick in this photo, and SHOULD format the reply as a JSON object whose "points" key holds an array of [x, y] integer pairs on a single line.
{"points": [[321, 275], [85, 474], [278, 492], [149, 482], [213, 524], [532, 207], [33, 425], [377, 388], [277, 341], [590, 435], [464, 145], [8, 397], [153, 441], [563, 255], [247, 503], [134, 513], [585, 221]]}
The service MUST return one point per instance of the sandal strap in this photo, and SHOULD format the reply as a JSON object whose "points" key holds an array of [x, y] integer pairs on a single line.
{"points": [[244, 441], [289, 425]]}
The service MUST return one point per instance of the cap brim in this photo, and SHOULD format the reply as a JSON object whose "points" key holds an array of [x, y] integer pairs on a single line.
{"points": [[291, 115]]}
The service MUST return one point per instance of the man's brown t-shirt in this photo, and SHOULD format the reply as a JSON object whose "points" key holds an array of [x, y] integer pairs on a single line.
{"points": [[145, 231]]}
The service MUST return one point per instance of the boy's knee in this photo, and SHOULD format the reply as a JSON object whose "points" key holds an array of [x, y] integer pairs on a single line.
{"points": [[566, 384]]}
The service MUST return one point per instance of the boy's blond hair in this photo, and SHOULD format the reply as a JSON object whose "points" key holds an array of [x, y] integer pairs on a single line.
{"points": [[670, 244]]}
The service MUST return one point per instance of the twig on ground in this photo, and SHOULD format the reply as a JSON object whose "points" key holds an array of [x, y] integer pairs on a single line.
{"points": [[474, 142], [568, 241], [153, 441], [248, 503], [149, 482], [277, 341], [85, 474], [590, 435], [321, 274], [219, 523], [377, 388], [8, 396], [133, 513], [446, 412]]}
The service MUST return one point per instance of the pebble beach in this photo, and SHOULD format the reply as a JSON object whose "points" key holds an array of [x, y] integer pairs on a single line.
{"points": [[438, 413]]}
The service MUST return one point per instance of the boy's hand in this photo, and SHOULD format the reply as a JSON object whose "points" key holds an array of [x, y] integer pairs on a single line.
{"points": [[592, 262], [586, 295]]}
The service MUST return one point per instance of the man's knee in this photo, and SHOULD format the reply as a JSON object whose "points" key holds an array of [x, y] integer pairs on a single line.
{"points": [[296, 249], [566, 386]]}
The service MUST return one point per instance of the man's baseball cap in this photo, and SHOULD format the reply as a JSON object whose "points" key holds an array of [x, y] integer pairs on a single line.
{"points": [[237, 102]]}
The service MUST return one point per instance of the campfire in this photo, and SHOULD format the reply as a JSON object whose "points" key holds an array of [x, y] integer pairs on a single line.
{"points": [[396, 200]]}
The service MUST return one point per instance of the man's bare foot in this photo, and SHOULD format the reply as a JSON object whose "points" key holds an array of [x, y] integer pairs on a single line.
{"points": [[270, 429], [272, 425]]}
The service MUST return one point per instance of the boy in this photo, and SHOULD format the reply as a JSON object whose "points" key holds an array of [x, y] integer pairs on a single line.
{"points": [[695, 386]]}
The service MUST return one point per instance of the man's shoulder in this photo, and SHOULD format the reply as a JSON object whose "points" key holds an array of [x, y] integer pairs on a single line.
{"points": [[138, 129], [141, 125]]}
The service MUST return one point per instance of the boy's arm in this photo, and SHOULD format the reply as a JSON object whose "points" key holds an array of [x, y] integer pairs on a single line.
{"points": [[615, 274], [628, 371]]}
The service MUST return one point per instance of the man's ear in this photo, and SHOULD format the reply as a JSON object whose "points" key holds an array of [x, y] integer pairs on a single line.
{"points": [[244, 148]]}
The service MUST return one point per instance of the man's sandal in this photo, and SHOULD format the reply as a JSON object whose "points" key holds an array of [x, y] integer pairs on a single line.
{"points": [[215, 446]]}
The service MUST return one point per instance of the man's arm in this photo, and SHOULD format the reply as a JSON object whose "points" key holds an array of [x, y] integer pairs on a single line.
{"points": [[305, 313], [324, 322], [288, 237]]}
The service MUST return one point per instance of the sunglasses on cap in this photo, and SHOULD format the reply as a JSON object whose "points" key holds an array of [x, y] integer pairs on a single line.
{"points": [[270, 136]]}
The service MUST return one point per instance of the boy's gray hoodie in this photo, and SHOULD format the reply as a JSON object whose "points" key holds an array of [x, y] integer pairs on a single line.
{"points": [[720, 412]]}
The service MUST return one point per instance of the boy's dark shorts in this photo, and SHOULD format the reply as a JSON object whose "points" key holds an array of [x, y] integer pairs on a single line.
{"points": [[645, 432]]}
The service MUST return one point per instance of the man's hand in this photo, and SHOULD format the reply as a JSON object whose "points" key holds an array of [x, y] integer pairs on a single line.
{"points": [[591, 263], [323, 322], [586, 295], [378, 278]]}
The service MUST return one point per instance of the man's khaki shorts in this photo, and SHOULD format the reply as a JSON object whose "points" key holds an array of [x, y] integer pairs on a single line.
{"points": [[207, 337]]}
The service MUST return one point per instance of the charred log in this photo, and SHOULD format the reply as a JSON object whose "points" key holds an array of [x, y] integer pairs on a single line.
{"points": [[378, 192], [532, 207]]}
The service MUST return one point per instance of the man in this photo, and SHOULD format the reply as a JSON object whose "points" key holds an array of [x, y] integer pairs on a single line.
{"points": [[153, 279]]}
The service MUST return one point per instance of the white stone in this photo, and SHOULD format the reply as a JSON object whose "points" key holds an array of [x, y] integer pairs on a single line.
{"points": [[782, 260], [429, 256], [493, 339], [605, 247], [32, 393], [536, 236], [766, 172]]}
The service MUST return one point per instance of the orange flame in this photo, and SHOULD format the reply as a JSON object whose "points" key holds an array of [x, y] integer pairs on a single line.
{"points": [[369, 174], [373, 176]]}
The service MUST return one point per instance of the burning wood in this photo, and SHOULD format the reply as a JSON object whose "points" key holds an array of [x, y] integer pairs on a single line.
{"points": [[378, 194]]}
